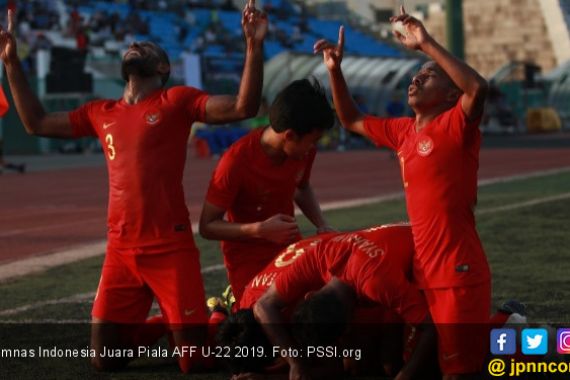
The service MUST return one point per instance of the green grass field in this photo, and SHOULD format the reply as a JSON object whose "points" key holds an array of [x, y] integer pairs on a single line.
{"points": [[523, 228]]}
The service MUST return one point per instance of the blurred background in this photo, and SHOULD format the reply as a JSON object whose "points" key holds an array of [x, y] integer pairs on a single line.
{"points": [[72, 50], [53, 218]]}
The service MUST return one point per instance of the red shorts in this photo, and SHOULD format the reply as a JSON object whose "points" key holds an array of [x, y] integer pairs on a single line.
{"points": [[461, 316], [130, 279]]}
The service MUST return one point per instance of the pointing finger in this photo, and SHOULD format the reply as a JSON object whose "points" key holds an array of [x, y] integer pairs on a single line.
{"points": [[341, 38], [10, 21]]}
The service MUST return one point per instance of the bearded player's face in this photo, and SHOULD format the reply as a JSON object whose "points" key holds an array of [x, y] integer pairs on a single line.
{"points": [[141, 59]]}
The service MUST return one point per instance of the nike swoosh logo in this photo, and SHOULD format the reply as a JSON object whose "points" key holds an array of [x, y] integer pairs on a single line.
{"points": [[107, 125], [189, 312], [447, 357]]}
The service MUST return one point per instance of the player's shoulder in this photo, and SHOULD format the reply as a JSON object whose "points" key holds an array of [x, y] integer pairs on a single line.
{"points": [[404, 124], [246, 146], [176, 92], [101, 105], [453, 112]]}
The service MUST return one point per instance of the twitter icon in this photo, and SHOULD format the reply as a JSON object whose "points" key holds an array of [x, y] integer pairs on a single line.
{"points": [[534, 341]]}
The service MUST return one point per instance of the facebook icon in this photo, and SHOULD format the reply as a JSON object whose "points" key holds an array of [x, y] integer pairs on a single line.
{"points": [[503, 341]]}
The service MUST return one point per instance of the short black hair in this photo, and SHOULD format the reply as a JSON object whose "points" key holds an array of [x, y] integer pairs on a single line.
{"points": [[163, 56], [320, 320], [303, 107], [242, 330]]}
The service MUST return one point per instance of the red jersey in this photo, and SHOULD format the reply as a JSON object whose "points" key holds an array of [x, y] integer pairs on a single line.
{"points": [[145, 148], [252, 188], [264, 279], [439, 169], [376, 263]]}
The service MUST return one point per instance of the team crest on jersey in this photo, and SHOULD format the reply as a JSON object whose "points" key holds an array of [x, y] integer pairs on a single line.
{"points": [[425, 146], [152, 117]]}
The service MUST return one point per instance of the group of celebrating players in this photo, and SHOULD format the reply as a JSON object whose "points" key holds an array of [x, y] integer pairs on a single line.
{"points": [[419, 288]]}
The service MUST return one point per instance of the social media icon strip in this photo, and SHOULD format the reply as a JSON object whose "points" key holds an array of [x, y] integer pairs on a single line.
{"points": [[534, 341], [563, 341], [503, 341]]}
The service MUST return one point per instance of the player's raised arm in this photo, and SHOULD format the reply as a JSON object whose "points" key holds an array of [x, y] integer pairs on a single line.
{"points": [[347, 110], [31, 112], [227, 108], [473, 85]]}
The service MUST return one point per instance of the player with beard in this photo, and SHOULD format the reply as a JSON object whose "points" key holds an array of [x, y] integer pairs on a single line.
{"points": [[438, 151], [151, 250]]}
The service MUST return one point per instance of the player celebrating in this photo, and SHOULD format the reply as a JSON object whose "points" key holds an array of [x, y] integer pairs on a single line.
{"points": [[369, 266], [258, 179], [150, 251], [438, 151]]}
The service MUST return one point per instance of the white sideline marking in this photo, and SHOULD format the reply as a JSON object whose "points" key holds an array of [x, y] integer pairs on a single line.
{"points": [[516, 206], [78, 298], [82, 297], [43, 264], [46, 321]]}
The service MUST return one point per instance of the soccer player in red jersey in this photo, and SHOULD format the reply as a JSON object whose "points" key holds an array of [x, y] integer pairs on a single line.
{"points": [[438, 150], [258, 180], [369, 266], [151, 251], [264, 279]]}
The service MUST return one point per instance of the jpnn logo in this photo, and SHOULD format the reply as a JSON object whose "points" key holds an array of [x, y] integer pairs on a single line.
{"points": [[503, 341], [534, 341]]}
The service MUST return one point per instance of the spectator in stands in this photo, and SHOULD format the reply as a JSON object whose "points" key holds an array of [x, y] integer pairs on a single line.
{"points": [[182, 33], [82, 39], [74, 21], [42, 42], [197, 45]]}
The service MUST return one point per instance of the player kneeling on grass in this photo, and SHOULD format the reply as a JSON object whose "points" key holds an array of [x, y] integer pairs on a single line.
{"points": [[151, 251], [438, 151], [368, 266], [259, 180]]}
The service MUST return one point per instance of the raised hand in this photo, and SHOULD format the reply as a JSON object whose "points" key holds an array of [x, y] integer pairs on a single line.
{"points": [[415, 34], [332, 54], [254, 22], [8, 41]]}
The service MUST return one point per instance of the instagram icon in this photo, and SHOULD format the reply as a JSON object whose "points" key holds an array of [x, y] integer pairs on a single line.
{"points": [[563, 341]]}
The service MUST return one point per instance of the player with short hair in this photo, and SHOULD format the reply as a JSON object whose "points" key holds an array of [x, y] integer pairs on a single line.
{"points": [[438, 150], [260, 177], [368, 266], [151, 250]]}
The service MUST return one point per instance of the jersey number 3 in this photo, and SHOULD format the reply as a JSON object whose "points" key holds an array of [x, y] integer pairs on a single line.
{"points": [[110, 147]]}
